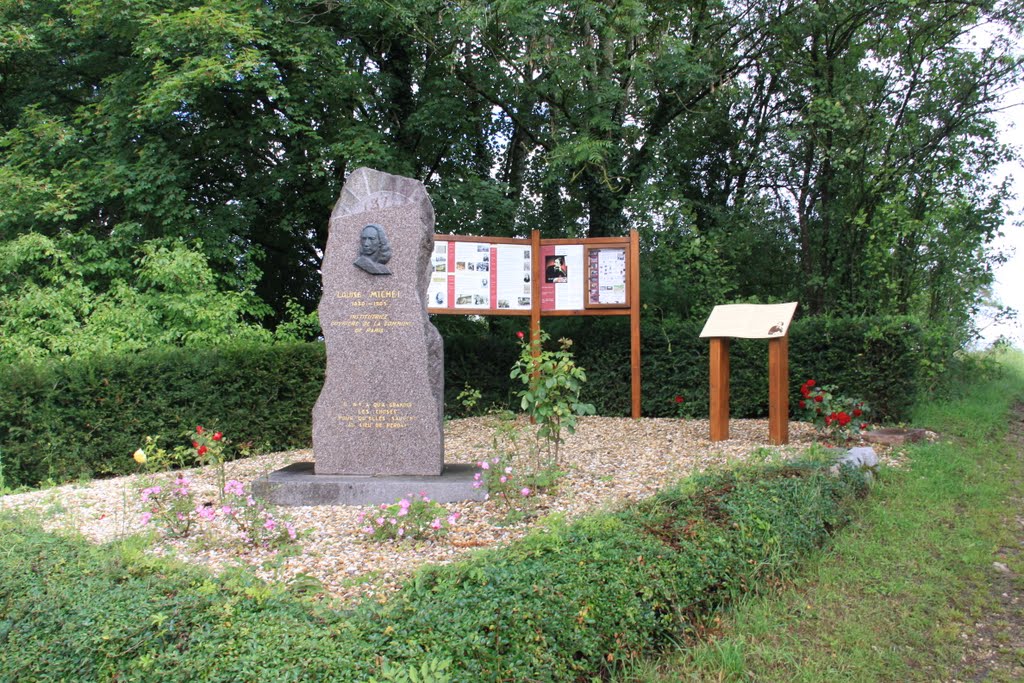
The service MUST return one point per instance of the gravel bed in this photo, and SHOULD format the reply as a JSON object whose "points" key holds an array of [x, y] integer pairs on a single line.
{"points": [[610, 461]]}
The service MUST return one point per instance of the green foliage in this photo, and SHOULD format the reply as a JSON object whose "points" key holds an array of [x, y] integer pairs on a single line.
{"points": [[84, 418], [551, 397], [77, 297], [411, 518], [879, 359], [518, 467], [570, 601], [468, 399], [761, 153], [837, 417], [254, 524], [477, 356]]}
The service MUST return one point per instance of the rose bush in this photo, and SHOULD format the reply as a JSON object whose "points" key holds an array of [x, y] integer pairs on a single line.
{"points": [[836, 417], [411, 518]]}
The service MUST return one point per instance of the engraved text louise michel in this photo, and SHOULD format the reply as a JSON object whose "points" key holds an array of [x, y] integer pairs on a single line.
{"points": [[378, 414]]}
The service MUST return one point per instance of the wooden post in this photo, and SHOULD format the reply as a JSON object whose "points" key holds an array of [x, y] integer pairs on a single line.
{"points": [[719, 388], [634, 320], [778, 390], [538, 273]]}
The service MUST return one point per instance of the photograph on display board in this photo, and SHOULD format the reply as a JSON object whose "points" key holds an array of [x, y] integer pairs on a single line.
{"points": [[555, 269]]}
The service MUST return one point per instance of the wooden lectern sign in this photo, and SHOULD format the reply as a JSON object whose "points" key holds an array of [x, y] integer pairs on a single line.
{"points": [[751, 321]]}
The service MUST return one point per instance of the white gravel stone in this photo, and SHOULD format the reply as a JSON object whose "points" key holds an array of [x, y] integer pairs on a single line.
{"points": [[609, 461]]}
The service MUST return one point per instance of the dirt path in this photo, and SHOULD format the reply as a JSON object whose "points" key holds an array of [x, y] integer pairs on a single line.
{"points": [[997, 640]]}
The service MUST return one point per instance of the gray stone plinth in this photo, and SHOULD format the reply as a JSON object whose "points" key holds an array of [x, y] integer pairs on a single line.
{"points": [[296, 484]]}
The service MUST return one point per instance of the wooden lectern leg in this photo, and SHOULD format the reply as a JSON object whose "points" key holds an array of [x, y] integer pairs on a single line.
{"points": [[719, 388], [778, 390]]}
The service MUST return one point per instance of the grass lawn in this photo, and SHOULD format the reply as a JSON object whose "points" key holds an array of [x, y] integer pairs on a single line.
{"points": [[921, 587]]}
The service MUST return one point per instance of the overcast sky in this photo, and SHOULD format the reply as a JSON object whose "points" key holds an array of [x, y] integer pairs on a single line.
{"points": [[1009, 287]]}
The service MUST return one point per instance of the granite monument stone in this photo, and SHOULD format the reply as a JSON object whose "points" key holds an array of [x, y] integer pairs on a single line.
{"points": [[381, 410]]}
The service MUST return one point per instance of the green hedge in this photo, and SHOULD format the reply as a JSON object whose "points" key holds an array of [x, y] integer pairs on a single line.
{"points": [[81, 419], [85, 418], [877, 359], [567, 603]]}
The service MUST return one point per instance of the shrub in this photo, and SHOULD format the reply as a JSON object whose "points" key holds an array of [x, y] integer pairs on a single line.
{"points": [[411, 518]]}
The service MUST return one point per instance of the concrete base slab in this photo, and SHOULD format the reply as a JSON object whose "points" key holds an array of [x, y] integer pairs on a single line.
{"points": [[297, 485]]}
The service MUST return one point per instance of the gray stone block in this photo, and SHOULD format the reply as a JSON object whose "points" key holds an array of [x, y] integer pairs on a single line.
{"points": [[862, 456], [381, 410], [297, 485]]}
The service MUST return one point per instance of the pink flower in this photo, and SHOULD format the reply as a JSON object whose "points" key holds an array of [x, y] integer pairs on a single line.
{"points": [[146, 516], [380, 521], [520, 334], [436, 524], [270, 524], [454, 517], [484, 465], [503, 479], [206, 512], [234, 486], [227, 510], [525, 492], [508, 470], [477, 484], [290, 528], [401, 531]]}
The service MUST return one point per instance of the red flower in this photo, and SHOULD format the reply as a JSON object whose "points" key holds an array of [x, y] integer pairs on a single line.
{"points": [[857, 412], [520, 334], [844, 419], [828, 420], [863, 425], [199, 429], [818, 398], [195, 444], [805, 391], [802, 404], [201, 450], [218, 436], [679, 399], [810, 383]]}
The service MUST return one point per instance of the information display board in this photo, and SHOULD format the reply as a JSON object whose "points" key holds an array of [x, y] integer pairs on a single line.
{"points": [[535, 277], [481, 277]]}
